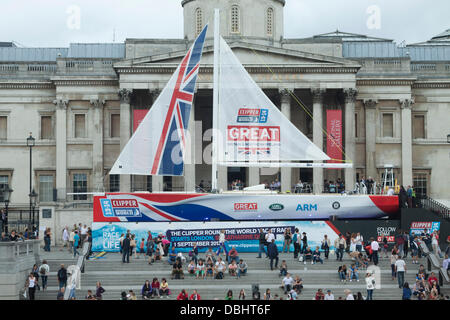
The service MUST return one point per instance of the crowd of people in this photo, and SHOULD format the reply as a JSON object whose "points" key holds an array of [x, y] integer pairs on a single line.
{"points": [[222, 261]]}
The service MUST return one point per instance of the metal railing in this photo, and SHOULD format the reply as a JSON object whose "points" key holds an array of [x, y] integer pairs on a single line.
{"points": [[434, 206], [433, 262], [75, 271]]}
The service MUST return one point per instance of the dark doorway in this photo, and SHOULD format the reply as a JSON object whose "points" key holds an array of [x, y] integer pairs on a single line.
{"points": [[236, 174]]}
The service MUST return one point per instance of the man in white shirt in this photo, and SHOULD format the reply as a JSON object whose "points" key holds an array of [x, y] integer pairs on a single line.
{"points": [[400, 268], [329, 295], [83, 232], [287, 283], [374, 246], [270, 236], [65, 237], [359, 241], [220, 268], [390, 192]]}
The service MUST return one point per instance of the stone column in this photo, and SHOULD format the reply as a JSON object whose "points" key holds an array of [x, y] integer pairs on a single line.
{"points": [[407, 176], [157, 181], [350, 98], [189, 165], [125, 132], [318, 95], [371, 134], [61, 148], [97, 145], [286, 173]]}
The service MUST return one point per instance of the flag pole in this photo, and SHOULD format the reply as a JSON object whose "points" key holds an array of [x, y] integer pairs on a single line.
{"points": [[214, 172]]}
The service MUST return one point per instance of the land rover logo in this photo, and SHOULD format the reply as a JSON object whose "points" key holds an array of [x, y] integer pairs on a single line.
{"points": [[276, 207], [336, 205]]}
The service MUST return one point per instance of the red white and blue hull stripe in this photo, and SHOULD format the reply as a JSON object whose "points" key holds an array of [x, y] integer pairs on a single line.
{"points": [[153, 207]]}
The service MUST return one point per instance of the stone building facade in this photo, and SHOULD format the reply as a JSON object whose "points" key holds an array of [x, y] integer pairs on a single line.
{"points": [[79, 102]]}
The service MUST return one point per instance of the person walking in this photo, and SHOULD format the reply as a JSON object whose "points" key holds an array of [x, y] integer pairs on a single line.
{"points": [[99, 290], [400, 268], [340, 245], [126, 249], [222, 244], [71, 236], [44, 270], [262, 243], [304, 242], [359, 241], [296, 241], [287, 240], [273, 254], [370, 285], [375, 247], [47, 239], [65, 238], [62, 277], [31, 285], [76, 241], [326, 246]]}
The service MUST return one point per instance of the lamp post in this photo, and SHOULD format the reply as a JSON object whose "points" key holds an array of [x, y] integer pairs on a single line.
{"points": [[6, 196], [33, 197], [30, 144]]}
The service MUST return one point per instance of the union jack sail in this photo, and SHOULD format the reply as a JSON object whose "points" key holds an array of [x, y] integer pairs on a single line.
{"points": [[158, 145]]}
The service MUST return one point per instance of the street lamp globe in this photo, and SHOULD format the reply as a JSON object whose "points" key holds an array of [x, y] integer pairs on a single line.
{"points": [[7, 194], [30, 141], [33, 196]]}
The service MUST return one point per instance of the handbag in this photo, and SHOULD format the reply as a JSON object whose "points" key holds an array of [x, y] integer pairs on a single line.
{"points": [[300, 259]]}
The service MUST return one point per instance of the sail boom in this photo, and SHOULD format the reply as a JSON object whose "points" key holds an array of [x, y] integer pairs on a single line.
{"points": [[286, 165]]}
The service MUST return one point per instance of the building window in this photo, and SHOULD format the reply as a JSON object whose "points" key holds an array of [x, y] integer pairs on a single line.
{"points": [[388, 125], [3, 127], [46, 128], [115, 126], [420, 183], [46, 184], [356, 125], [114, 183], [4, 179], [235, 20], [80, 126], [198, 21], [149, 183], [269, 23], [79, 184], [419, 127]]}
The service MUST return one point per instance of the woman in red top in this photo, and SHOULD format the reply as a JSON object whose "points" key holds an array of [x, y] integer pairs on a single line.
{"points": [[155, 287], [183, 295], [195, 296], [320, 295]]}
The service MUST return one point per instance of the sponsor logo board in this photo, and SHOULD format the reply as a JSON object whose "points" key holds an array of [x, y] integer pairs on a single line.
{"points": [[120, 208], [246, 206], [276, 207]]}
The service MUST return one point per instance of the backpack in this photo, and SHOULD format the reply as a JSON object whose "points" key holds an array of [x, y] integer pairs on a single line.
{"points": [[42, 270]]}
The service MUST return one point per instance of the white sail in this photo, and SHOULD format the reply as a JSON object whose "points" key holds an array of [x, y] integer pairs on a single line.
{"points": [[157, 147], [252, 129]]}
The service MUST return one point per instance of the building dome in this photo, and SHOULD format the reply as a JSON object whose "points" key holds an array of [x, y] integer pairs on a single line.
{"points": [[262, 19]]}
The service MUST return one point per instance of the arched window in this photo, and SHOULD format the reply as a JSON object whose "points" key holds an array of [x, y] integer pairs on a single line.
{"points": [[198, 21], [235, 20], [269, 22]]}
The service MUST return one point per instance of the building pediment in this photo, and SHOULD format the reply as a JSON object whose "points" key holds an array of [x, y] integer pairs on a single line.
{"points": [[251, 56]]}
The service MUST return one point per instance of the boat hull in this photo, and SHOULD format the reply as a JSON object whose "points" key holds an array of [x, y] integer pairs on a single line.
{"points": [[179, 207]]}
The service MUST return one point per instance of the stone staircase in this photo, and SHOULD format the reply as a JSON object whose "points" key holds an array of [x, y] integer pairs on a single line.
{"points": [[116, 277]]}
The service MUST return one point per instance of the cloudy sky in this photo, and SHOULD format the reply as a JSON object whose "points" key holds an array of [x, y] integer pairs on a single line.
{"points": [[53, 23]]}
